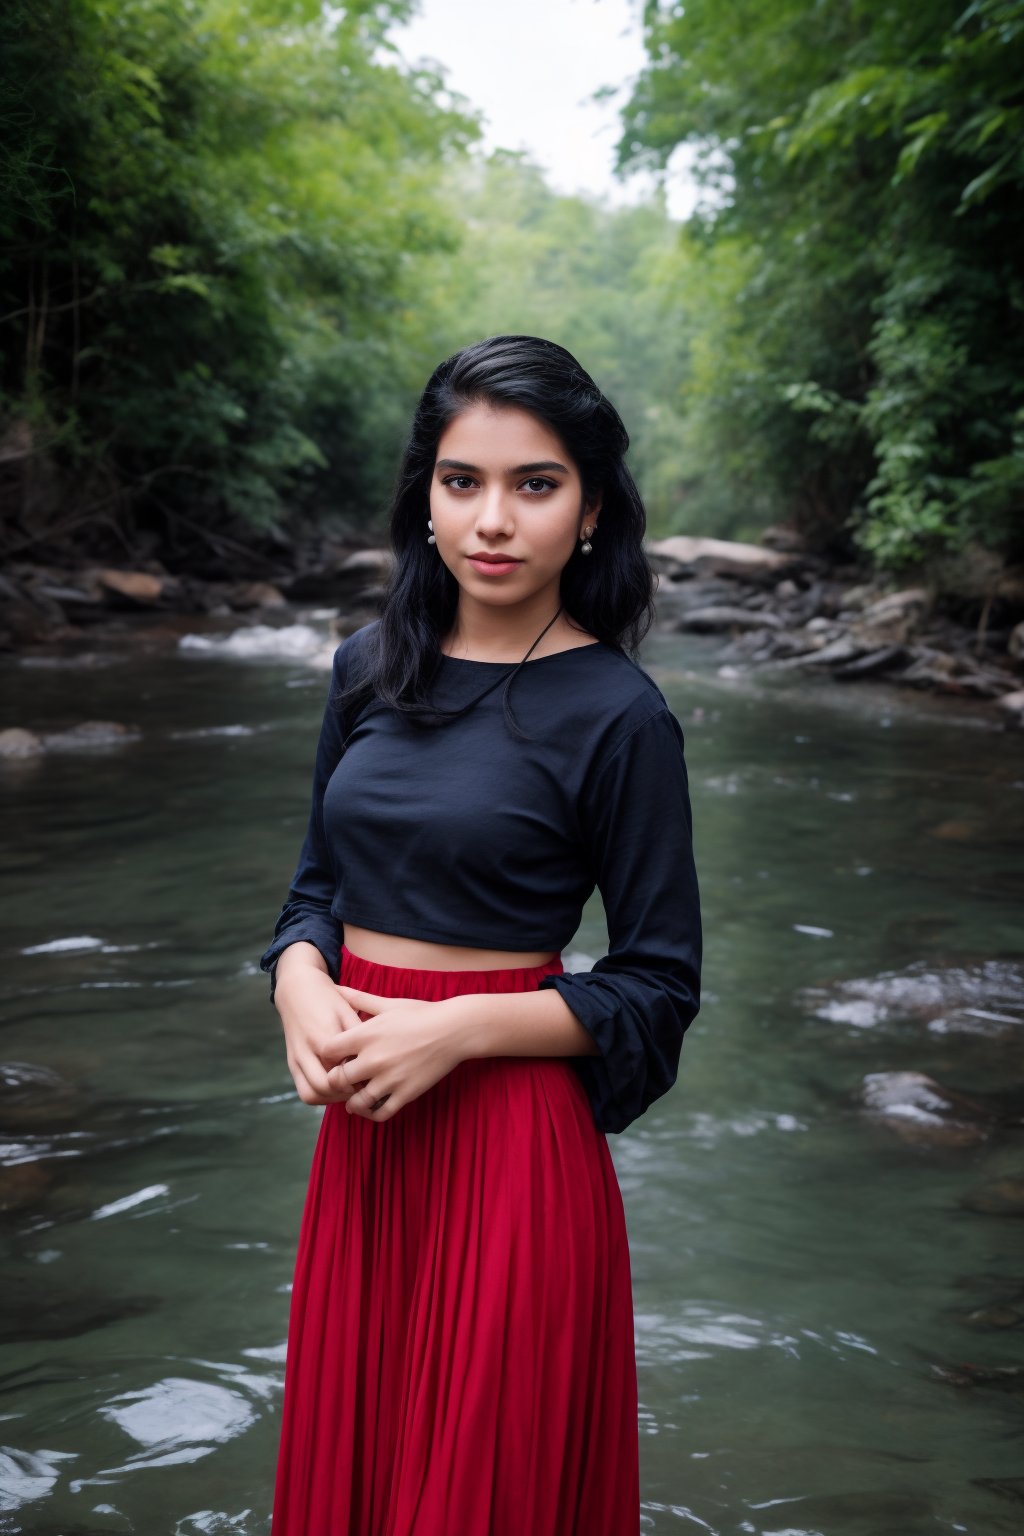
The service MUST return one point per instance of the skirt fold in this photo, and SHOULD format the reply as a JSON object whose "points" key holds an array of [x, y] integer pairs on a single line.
{"points": [[461, 1358]]}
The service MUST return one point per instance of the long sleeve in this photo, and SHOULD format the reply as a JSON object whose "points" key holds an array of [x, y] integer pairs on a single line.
{"points": [[306, 913], [639, 1000]]}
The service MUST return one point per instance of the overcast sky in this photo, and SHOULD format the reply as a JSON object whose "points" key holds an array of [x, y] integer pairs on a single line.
{"points": [[530, 66]]}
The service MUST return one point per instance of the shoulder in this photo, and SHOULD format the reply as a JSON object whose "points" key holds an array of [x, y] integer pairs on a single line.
{"points": [[359, 640], [623, 699], [354, 648]]}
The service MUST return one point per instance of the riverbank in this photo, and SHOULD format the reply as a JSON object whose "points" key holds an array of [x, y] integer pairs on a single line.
{"points": [[783, 608], [774, 605]]}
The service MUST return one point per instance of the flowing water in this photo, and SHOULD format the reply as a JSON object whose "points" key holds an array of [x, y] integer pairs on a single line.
{"points": [[828, 1272]]}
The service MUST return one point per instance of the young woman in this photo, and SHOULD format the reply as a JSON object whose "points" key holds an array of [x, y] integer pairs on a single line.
{"points": [[460, 1354]]}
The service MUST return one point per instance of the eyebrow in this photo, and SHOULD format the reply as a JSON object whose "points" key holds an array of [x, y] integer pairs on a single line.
{"points": [[516, 469]]}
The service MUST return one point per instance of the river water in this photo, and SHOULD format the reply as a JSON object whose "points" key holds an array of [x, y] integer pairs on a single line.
{"points": [[829, 1296]]}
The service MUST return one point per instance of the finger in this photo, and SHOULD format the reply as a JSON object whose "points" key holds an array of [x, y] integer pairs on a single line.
{"points": [[341, 1083], [367, 1002], [358, 1103], [337, 1049], [304, 1088], [388, 1109], [368, 1100], [347, 1018], [315, 1074]]}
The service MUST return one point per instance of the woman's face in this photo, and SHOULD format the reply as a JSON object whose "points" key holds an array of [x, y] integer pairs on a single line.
{"points": [[503, 484]]}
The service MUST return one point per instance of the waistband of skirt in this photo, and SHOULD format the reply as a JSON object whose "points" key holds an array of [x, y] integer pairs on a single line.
{"points": [[374, 976]]}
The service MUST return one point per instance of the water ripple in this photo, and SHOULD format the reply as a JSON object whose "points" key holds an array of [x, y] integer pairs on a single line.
{"points": [[178, 1421], [28, 1475]]}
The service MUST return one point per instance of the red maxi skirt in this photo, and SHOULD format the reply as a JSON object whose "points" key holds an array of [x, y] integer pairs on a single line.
{"points": [[461, 1357]]}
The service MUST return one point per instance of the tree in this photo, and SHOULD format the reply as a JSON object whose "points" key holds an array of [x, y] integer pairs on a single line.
{"points": [[208, 214], [863, 169]]}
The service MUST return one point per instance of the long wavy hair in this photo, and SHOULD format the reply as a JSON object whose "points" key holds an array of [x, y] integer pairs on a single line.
{"points": [[608, 592]]}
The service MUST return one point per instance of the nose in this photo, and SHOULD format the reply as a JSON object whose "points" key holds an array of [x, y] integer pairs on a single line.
{"points": [[494, 512]]}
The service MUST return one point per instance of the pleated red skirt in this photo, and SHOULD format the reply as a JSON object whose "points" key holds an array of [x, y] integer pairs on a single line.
{"points": [[461, 1358]]}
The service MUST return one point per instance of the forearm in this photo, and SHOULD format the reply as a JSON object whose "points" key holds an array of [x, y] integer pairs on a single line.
{"points": [[538, 1023]]}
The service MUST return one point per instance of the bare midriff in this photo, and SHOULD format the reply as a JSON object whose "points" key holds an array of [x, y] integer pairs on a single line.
{"points": [[424, 955]]}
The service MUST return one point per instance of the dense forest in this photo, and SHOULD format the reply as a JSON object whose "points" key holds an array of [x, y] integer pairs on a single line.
{"points": [[855, 280], [237, 235]]}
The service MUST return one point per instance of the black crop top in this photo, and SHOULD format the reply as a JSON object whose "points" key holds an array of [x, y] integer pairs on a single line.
{"points": [[465, 834]]}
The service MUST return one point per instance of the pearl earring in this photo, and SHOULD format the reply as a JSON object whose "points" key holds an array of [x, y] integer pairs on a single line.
{"points": [[586, 546], [430, 535]]}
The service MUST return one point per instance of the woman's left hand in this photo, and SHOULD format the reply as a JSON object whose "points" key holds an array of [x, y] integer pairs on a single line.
{"points": [[403, 1048]]}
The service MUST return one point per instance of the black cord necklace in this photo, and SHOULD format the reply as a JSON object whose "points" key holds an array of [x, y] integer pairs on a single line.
{"points": [[514, 664], [544, 631], [439, 714]]}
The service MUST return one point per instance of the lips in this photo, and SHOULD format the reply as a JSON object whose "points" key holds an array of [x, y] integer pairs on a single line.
{"points": [[493, 566]]}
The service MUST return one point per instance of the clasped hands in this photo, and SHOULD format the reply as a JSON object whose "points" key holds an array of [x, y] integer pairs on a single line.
{"points": [[386, 1052]]}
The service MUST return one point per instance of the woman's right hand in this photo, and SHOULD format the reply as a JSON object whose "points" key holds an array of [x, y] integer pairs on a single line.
{"points": [[312, 1012]]}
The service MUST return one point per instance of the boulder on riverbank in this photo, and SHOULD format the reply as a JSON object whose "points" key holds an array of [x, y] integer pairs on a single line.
{"points": [[41, 603], [787, 608]]}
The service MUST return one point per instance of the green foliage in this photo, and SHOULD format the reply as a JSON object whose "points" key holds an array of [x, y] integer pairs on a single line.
{"points": [[863, 168], [208, 213], [237, 235], [237, 239]]}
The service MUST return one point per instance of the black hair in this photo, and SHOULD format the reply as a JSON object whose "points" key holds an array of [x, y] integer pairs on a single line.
{"points": [[608, 592]]}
